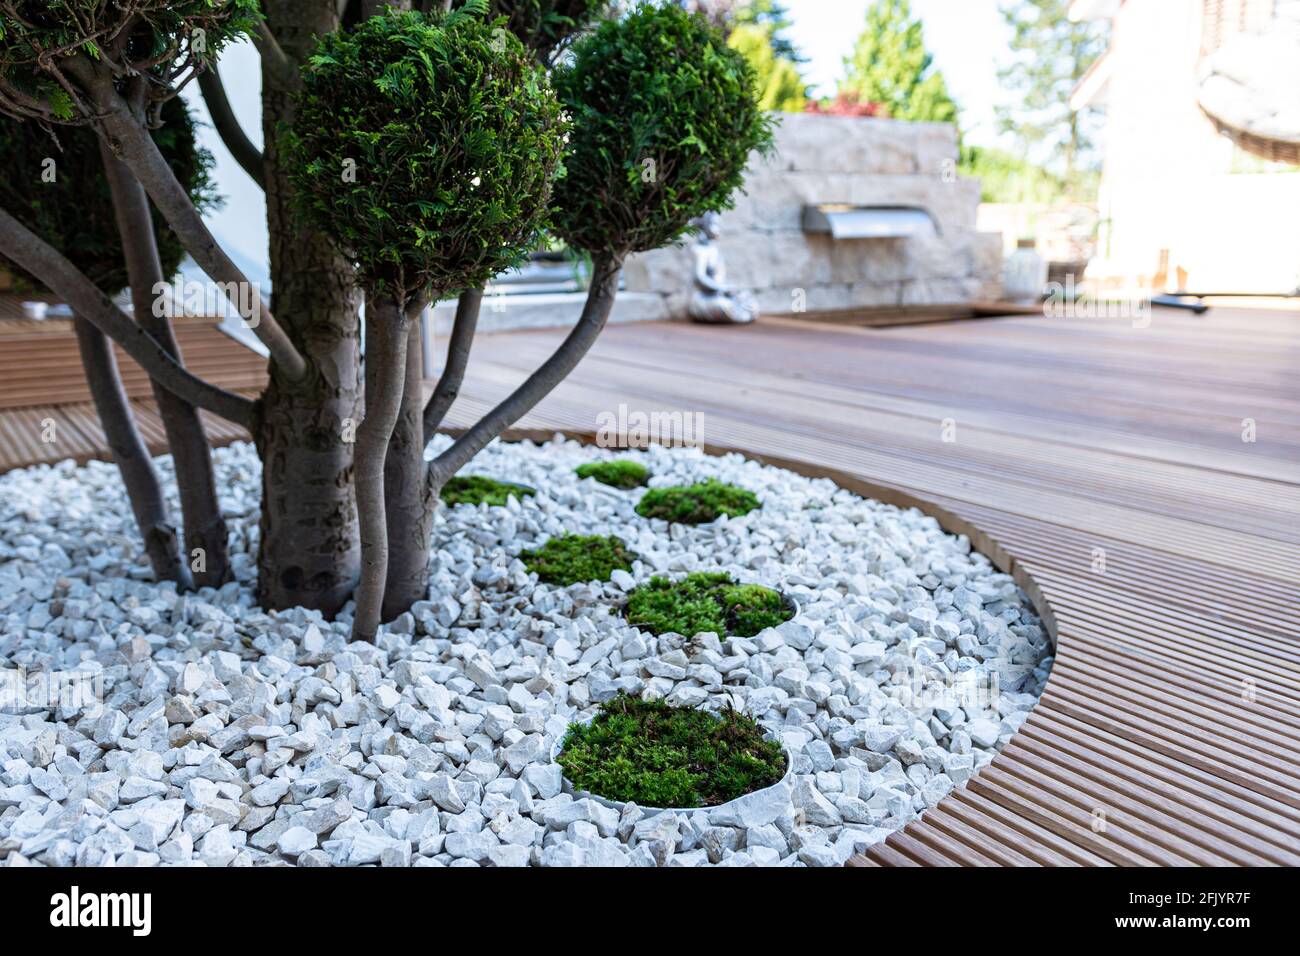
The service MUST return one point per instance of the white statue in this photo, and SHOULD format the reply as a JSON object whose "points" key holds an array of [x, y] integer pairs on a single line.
{"points": [[710, 300]]}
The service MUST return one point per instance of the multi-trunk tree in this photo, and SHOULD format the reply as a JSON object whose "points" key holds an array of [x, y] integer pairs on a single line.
{"points": [[411, 154]]}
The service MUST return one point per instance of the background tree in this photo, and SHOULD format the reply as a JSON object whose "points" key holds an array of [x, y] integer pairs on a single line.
{"points": [[891, 66], [777, 79], [113, 66], [1050, 55], [759, 30], [57, 188]]}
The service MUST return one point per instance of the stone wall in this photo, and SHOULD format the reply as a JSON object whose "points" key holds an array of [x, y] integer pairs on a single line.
{"points": [[822, 159]]}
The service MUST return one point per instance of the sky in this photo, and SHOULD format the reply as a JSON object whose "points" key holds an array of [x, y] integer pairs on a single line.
{"points": [[966, 37]]}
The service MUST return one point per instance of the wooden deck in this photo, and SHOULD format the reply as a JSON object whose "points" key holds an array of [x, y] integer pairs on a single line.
{"points": [[45, 410], [1102, 464], [1168, 730]]}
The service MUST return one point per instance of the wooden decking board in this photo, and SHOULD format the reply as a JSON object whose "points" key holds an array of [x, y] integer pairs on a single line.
{"points": [[1043, 808], [946, 826], [1277, 822], [1011, 829], [1264, 731], [1073, 435], [1168, 822], [1077, 758]]}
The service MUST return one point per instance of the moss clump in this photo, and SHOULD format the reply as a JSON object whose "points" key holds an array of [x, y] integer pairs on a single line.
{"points": [[705, 601], [697, 504], [617, 474], [477, 490], [656, 755], [575, 558]]}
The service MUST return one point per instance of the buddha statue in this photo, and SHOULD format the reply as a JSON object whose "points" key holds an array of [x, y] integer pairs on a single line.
{"points": [[710, 300]]}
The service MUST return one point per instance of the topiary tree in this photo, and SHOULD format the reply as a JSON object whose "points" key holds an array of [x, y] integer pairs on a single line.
{"points": [[425, 147], [112, 67], [58, 189], [665, 119], [418, 150]]}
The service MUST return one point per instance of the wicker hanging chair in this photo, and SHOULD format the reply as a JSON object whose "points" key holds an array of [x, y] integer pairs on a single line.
{"points": [[1250, 75]]}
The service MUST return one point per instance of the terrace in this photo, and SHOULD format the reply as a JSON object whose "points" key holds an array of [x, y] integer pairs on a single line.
{"points": [[1112, 481]]}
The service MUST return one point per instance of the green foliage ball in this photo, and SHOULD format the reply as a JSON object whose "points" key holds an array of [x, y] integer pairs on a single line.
{"points": [[657, 755], [707, 601], [425, 147], [697, 504], [478, 490], [150, 36], [74, 212], [576, 559], [620, 473], [665, 119]]}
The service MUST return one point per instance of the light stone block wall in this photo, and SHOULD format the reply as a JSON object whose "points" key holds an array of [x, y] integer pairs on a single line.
{"points": [[820, 159]]}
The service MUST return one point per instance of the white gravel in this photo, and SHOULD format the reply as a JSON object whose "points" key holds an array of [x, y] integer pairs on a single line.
{"points": [[226, 736]]}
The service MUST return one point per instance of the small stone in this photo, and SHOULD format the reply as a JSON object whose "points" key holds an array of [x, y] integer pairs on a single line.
{"points": [[295, 841]]}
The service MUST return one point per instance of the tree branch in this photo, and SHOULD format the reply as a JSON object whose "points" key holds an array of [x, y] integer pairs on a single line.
{"points": [[139, 478], [131, 142], [227, 125], [453, 372], [600, 300], [205, 529], [387, 332], [273, 56], [61, 277]]}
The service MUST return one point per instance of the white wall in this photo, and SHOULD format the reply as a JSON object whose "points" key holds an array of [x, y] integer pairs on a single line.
{"points": [[1168, 180]]}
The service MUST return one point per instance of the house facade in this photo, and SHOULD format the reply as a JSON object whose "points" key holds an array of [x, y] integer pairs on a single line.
{"points": [[1182, 204]]}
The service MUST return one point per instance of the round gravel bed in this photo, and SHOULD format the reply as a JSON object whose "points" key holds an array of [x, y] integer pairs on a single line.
{"points": [[216, 733]]}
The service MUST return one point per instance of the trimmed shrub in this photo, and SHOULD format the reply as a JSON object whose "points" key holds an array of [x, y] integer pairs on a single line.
{"points": [[477, 490], [74, 213], [664, 121], [425, 146], [697, 504], [576, 559], [617, 474], [705, 601], [656, 755]]}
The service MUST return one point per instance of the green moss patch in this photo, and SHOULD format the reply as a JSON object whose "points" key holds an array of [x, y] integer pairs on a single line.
{"points": [[697, 504], [705, 601], [576, 558], [477, 490], [617, 474], [656, 755]]}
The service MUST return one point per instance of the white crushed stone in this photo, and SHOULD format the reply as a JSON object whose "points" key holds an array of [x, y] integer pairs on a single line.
{"points": [[231, 737]]}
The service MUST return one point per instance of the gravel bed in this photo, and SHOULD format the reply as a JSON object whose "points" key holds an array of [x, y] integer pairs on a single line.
{"points": [[221, 735]]}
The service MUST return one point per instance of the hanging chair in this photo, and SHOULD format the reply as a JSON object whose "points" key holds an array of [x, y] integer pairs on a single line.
{"points": [[1249, 75]]}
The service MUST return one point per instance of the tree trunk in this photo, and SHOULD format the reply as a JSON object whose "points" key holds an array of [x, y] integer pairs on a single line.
{"points": [[387, 335], [310, 546], [205, 529], [138, 476], [406, 493]]}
